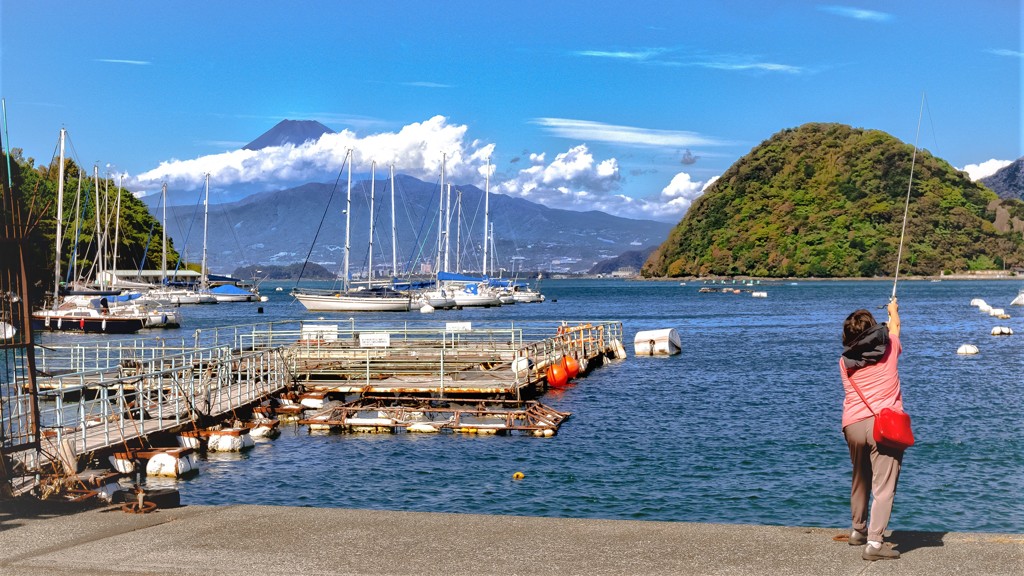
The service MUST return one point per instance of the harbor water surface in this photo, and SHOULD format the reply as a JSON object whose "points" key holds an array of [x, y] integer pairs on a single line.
{"points": [[742, 427]]}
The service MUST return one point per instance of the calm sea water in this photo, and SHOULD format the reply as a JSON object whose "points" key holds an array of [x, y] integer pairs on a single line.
{"points": [[742, 427]]}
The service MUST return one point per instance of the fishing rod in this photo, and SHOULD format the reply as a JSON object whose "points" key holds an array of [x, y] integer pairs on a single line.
{"points": [[906, 206]]}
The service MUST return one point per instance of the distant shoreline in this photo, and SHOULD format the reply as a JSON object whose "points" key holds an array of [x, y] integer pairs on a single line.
{"points": [[1001, 276]]}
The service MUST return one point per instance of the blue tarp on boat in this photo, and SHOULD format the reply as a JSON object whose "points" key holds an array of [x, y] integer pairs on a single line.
{"points": [[229, 290]]}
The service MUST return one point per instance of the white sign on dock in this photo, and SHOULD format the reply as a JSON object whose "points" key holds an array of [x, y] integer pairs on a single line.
{"points": [[458, 327], [322, 332], [374, 340]]}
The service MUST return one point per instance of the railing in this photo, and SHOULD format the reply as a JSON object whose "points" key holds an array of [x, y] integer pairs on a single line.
{"points": [[98, 409], [454, 357]]}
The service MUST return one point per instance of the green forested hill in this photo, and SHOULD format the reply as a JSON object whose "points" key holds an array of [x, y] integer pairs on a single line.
{"points": [[35, 188], [827, 200]]}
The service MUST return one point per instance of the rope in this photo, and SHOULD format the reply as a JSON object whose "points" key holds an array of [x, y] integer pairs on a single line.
{"points": [[322, 218]]}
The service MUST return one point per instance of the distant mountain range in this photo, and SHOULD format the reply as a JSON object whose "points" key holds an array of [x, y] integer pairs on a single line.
{"points": [[1008, 181], [285, 226], [281, 227]]}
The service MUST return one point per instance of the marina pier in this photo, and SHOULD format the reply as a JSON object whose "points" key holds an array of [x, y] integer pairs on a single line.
{"points": [[128, 399]]}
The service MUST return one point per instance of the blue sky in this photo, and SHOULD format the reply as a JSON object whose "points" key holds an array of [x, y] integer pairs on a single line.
{"points": [[630, 108]]}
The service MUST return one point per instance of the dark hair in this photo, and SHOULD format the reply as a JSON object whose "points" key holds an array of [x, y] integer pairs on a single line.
{"points": [[855, 325]]}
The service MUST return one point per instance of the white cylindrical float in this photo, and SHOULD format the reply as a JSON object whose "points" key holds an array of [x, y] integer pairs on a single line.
{"points": [[172, 464], [313, 400], [967, 349], [663, 342], [1002, 331], [978, 303], [229, 440], [190, 439], [421, 427], [264, 428]]}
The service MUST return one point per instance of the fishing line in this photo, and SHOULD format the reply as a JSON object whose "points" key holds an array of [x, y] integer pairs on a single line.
{"points": [[906, 207]]}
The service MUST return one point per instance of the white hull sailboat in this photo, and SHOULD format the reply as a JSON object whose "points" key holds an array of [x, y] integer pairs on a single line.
{"points": [[352, 301], [365, 299]]}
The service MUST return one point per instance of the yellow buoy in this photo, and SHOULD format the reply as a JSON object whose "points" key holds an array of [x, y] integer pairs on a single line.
{"points": [[518, 476]]}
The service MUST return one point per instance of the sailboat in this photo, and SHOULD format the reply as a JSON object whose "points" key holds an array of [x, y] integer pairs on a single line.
{"points": [[369, 298], [72, 315], [176, 296], [469, 291]]}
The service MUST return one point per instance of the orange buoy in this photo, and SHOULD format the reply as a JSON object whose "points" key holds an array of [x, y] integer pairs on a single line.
{"points": [[572, 367], [557, 375]]}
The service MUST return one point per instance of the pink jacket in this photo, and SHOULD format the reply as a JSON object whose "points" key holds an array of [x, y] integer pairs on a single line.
{"points": [[880, 384]]}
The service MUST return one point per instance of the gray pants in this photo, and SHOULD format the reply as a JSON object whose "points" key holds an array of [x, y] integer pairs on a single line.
{"points": [[876, 469]]}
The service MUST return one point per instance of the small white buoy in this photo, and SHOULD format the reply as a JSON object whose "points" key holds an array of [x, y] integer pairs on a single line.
{"points": [[984, 308], [421, 427], [264, 298], [967, 349], [426, 309], [759, 294], [996, 312], [978, 303], [1002, 331], [7, 331], [278, 289]]}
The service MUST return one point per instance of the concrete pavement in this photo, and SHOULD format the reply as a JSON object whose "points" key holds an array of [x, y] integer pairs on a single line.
{"points": [[264, 540]]}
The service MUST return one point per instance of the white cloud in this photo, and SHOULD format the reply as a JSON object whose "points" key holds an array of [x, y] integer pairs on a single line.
{"points": [[572, 180], [986, 168], [639, 55], [415, 150], [575, 180], [857, 13], [116, 61], [628, 135], [755, 66], [1009, 53]]}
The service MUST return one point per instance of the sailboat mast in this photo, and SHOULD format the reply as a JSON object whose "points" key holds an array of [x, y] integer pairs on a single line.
{"points": [[163, 226], [60, 221], [117, 229], [203, 279], [487, 209], [394, 228], [369, 261], [98, 235], [458, 232], [348, 219], [73, 263], [447, 225], [440, 216]]}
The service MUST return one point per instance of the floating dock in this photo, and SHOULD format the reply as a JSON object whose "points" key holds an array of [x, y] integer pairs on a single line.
{"points": [[123, 399]]}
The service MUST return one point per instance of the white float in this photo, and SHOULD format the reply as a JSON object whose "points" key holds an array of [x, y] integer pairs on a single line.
{"points": [[421, 427], [996, 312], [229, 440], [313, 400], [172, 464], [190, 439], [264, 428], [759, 294], [967, 349], [122, 464], [985, 308], [1002, 331], [426, 309], [978, 303], [663, 342]]}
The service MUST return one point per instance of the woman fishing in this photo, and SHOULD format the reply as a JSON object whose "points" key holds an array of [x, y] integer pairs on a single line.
{"points": [[869, 361]]}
